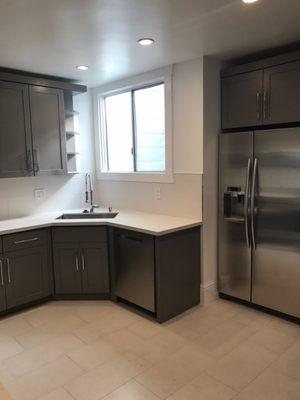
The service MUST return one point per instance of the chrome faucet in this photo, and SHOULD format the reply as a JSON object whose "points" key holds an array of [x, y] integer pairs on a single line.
{"points": [[89, 193]]}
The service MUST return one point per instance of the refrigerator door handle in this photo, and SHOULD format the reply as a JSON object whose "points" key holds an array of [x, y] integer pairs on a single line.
{"points": [[246, 213], [252, 203]]}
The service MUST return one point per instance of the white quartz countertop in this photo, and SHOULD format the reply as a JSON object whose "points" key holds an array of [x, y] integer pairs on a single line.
{"points": [[154, 224]]}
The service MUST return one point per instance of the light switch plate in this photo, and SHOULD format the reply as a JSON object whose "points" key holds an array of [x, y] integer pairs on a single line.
{"points": [[39, 194], [158, 193]]}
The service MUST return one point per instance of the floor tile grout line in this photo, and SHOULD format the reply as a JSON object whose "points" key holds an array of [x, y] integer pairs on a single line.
{"points": [[252, 380], [284, 373], [64, 388]]}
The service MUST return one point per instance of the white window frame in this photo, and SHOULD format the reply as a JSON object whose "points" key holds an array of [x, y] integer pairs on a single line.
{"points": [[162, 75]]}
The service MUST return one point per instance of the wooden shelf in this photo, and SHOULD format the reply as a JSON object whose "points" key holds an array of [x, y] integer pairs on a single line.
{"points": [[72, 133], [71, 113], [71, 154]]}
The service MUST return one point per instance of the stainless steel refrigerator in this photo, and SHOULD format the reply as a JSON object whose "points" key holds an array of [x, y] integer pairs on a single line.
{"points": [[259, 218]]}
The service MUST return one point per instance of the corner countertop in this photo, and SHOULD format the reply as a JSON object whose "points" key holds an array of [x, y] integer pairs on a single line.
{"points": [[153, 224]]}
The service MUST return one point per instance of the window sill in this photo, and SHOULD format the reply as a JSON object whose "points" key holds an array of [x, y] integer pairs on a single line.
{"points": [[159, 177]]}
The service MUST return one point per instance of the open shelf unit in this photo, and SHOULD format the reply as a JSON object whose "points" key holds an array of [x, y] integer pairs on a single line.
{"points": [[71, 134]]}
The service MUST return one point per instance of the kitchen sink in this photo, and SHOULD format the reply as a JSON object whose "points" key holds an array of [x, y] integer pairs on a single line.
{"points": [[88, 215]]}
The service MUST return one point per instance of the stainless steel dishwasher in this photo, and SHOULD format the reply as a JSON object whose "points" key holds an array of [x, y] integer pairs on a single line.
{"points": [[134, 275]]}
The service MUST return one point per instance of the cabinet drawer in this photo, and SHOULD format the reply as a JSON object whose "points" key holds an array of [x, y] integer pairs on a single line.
{"points": [[79, 234], [24, 240]]}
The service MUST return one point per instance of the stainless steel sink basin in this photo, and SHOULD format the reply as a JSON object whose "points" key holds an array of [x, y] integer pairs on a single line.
{"points": [[88, 215]]}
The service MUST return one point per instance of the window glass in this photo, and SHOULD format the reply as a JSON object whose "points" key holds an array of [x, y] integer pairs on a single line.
{"points": [[135, 131], [119, 133], [150, 128]]}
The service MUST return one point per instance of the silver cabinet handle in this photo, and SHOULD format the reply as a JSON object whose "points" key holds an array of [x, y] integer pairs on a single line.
{"points": [[258, 103], [1, 271], [266, 114], [252, 205], [26, 240], [8, 270], [29, 161], [83, 262], [35, 161], [246, 211], [76, 263]]}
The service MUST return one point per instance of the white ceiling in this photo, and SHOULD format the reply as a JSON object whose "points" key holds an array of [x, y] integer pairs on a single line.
{"points": [[53, 36]]}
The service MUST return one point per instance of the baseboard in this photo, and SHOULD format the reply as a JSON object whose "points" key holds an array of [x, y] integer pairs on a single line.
{"points": [[208, 293], [105, 296]]}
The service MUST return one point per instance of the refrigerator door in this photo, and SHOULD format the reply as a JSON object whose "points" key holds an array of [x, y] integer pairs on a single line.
{"points": [[234, 257], [276, 251]]}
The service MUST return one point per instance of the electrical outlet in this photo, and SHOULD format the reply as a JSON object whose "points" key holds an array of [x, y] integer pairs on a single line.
{"points": [[158, 193], [39, 194]]}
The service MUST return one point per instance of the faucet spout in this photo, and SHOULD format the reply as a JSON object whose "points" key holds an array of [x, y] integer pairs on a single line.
{"points": [[89, 193]]}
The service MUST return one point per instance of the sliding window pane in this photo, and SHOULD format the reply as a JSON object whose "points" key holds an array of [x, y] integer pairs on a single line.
{"points": [[119, 132], [150, 128]]}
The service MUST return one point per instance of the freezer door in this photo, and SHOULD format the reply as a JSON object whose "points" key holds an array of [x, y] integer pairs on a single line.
{"points": [[234, 257], [276, 258]]}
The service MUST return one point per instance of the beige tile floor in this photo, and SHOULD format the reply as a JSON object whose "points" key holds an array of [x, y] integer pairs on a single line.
{"points": [[99, 350]]}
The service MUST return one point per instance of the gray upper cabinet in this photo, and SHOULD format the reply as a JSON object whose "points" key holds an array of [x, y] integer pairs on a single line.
{"points": [[48, 130], [282, 93], [15, 135], [242, 100], [266, 96]]}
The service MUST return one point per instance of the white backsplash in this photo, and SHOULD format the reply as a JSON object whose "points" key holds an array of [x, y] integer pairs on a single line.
{"points": [[61, 193]]}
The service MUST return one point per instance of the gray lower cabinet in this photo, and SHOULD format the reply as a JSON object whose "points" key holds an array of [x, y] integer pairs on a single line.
{"points": [[2, 286], [160, 274], [15, 135], [27, 276], [67, 269], [95, 271], [80, 258], [48, 130], [25, 273]]}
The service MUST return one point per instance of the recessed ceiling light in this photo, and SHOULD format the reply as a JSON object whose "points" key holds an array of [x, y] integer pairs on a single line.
{"points": [[249, 1], [82, 67], [146, 41]]}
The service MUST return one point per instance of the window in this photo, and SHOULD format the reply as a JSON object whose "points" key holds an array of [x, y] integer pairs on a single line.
{"points": [[135, 130], [133, 122]]}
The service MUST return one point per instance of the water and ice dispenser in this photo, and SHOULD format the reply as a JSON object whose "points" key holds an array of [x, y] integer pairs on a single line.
{"points": [[234, 200]]}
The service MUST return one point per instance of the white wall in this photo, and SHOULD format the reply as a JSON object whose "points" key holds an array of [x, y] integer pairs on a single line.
{"points": [[188, 117], [196, 125], [211, 129], [184, 196], [62, 192]]}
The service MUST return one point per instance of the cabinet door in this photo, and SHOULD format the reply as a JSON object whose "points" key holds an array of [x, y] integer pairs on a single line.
{"points": [[94, 263], [282, 94], [48, 131], [242, 100], [67, 271], [134, 268], [2, 286], [15, 137], [27, 275]]}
